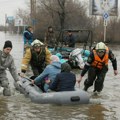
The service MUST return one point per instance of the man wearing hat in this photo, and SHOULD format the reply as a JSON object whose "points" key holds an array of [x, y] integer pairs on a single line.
{"points": [[38, 56], [7, 61]]}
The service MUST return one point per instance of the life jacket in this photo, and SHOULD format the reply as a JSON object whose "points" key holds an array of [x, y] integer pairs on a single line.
{"points": [[38, 60], [98, 62]]}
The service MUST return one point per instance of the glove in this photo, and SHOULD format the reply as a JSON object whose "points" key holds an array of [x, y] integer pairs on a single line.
{"points": [[22, 74], [23, 71]]}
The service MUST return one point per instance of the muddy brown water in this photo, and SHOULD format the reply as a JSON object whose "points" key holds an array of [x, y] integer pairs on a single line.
{"points": [[106, 106]]}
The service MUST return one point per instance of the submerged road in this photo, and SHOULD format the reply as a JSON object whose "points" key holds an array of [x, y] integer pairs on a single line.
{"points": [[106, 106]]}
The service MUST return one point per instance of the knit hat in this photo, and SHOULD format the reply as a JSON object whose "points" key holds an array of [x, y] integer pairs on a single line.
{"points": [[54, 58], [65, 67], [7, 44]]}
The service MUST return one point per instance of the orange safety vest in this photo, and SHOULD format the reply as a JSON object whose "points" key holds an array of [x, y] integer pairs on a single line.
{"points": [[100, 62]]}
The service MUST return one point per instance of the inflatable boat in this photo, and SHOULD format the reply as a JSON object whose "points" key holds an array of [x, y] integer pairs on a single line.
{"points": [[37, 96]]}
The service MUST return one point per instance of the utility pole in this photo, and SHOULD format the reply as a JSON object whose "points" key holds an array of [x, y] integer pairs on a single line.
{"points": [[33, 12]]}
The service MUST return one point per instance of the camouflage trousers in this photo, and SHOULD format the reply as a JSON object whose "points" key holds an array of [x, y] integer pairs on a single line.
{"points": [[5, 84]]}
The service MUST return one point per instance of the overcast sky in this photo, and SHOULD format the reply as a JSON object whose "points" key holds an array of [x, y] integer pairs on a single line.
{"points": [[10, 6]]}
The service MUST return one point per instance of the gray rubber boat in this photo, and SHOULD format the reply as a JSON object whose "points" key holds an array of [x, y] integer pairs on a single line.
{"points": [[37, 96]]}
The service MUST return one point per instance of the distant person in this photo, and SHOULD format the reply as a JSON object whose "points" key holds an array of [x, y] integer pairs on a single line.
{"points": [[50, 39], [28, 36], [97, 67], [7, 63], [69, 39], [64, 81], [49, 72], [38, 56]]}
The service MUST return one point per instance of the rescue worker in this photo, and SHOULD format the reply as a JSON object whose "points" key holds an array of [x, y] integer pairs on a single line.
{"points": [[7, 63], [38, 56], [97, 67]]}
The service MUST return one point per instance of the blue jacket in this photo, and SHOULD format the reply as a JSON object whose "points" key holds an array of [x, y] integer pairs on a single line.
{"points": [[65, 81], [28, 37], [50, 71]]}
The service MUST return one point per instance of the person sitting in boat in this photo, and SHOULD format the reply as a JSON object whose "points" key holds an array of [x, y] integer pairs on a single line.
{"points": [[50, 39], [64, 81], [7, 63], [69, 39], [97, 67], [38, 56], [49, 72]]}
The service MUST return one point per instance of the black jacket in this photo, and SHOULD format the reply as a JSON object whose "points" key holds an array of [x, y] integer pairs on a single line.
{"points": [[65, 81], [91, 59]]}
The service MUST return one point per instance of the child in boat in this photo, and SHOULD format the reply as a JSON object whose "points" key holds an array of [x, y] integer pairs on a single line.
{"points": [[64, 81]]}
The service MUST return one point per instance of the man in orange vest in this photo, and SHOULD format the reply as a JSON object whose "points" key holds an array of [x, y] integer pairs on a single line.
{"points": [[97, 67]]}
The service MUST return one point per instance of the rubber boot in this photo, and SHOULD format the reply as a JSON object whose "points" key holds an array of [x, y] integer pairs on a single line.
{"points": [[6, 92], [85, 88], [86, 85], [98, 86]]}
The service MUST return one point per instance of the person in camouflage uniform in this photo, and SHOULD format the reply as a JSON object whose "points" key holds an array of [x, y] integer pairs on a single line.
{"points": [[7, 63], [50, 39]]}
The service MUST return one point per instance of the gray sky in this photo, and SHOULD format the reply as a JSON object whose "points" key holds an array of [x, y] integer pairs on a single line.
{"points": [[9, 7]]}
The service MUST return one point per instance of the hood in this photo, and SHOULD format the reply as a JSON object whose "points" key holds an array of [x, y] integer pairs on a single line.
{"points": [[56, 64]]}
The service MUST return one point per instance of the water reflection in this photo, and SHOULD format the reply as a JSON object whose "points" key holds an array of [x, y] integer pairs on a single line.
{"points": [[20, 108], [3, 107], [96, 112]]}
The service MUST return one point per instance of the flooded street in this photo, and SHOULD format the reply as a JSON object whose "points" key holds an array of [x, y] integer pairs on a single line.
{"points": [[106, 106]]}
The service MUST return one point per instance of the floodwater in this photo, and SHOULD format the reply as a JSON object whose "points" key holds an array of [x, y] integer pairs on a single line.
{"points": [[105, 106]]}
